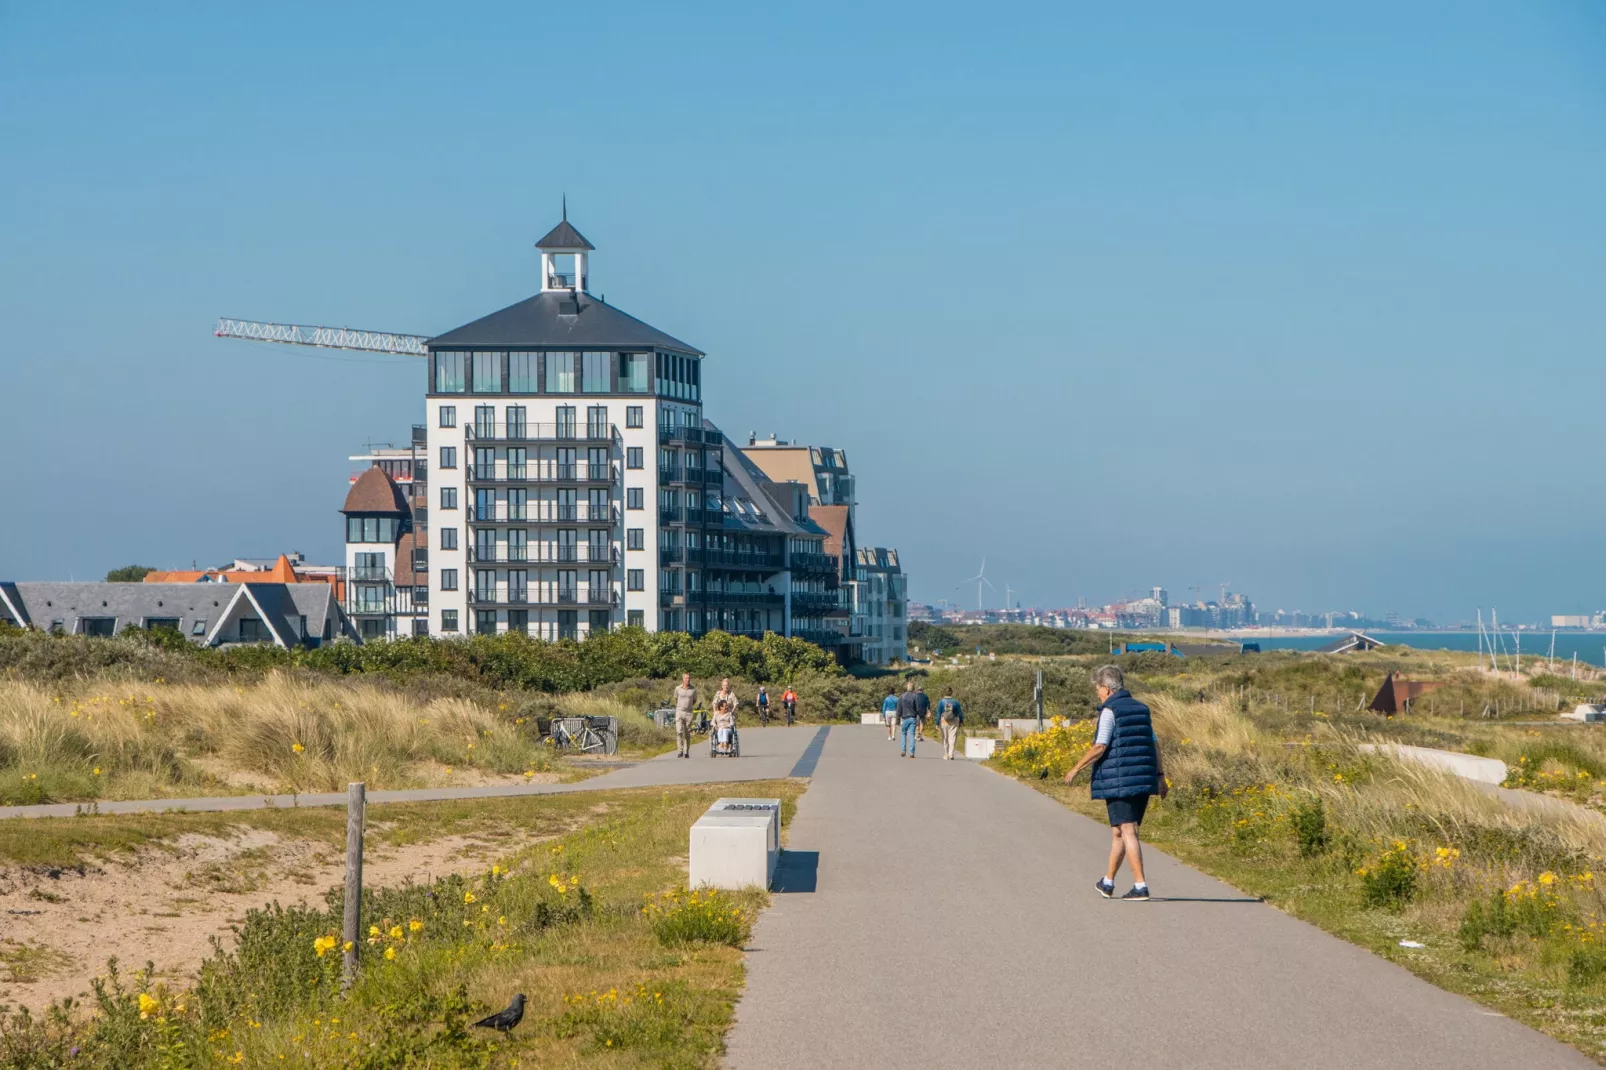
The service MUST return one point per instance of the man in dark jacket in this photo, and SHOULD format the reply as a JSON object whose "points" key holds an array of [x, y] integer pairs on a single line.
{"points": [[908, 718], [1125, 757]]}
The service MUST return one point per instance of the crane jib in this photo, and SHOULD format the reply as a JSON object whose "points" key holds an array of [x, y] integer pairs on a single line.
{"points": [[324, 337]]}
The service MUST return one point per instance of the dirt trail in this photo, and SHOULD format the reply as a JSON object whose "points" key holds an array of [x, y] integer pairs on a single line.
{"points": [[59, 926]]}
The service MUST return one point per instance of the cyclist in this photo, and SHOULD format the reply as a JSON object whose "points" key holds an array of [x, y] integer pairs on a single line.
{"points": [[789, 703], [763, 701]]}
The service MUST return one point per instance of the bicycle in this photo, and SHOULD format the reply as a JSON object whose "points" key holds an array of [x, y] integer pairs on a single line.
{"points": [[588, 735], [763, 714], [791, 712]]}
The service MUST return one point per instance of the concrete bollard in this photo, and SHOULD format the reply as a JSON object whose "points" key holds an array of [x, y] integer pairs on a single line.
{"points": [[736, 844], [980, 749]]}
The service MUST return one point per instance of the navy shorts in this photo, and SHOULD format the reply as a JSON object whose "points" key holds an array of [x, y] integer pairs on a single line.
{"points": [[1128, 809]]}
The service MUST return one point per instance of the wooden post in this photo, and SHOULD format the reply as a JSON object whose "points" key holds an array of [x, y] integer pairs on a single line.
{"points": [[1037, 699], [351, 914]]}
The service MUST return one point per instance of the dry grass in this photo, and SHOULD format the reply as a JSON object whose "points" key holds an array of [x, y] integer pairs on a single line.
{"points": [[283, 733]]}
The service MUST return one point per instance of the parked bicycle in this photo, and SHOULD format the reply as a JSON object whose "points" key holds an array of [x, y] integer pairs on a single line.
{"points": [[588, 735]]}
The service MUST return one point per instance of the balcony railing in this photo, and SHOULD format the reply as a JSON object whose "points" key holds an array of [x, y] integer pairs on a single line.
{"points": [[743, 598], [695, 477], [815, 600], [544, 512], [516, 431], [809, 562], [696, 435], [564, 280], [735, 559], [543, 472], [527, 596], [369, 574], [818, 636], [544, 553]]}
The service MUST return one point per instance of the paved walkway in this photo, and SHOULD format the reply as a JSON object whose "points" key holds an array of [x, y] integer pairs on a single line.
{"points": [[937, 914], [767, 754]]}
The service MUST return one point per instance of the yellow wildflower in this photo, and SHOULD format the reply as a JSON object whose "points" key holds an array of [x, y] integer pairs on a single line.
{"points": [[297, 748], [148, 1005], [468, 897], [390, 953], [415, 925]]}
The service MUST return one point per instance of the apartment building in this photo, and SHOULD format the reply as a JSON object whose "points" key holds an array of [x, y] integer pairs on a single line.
{"points": [[576, 486], [387, 541], [880, 606]]}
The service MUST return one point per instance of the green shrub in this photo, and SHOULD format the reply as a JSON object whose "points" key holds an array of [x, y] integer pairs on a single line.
{"points": [[1309, 821], [705, 915], [1586, 965], [1391, 881], [1486, 918]]}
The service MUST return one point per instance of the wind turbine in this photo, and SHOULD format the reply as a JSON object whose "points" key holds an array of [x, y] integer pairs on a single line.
{"points": [[1008, 593], [978, 579]]}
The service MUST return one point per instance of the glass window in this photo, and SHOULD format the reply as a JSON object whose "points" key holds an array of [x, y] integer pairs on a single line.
{"points": [[636, 579], [597, 421], [522, 373], [636, 618], [633, 373], [448, 538], [448, 456], [560, 373], [448, 415], [448, 579], [448, 620], [633, 413], [633, 498], [636, 539], [449, 373], [448, 497], [487, 373], [633, 457], [565, 422], [597, 374]]}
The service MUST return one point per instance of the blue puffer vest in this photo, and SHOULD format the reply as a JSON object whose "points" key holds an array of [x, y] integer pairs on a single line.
{"points": [[1132, 765]]}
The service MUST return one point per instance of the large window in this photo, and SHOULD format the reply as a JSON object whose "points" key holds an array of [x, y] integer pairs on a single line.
{"points": [[448, 415], [633, 373], [487, 373], [636, 580], [448, 579], [633, 498], [636, 618], [448, 497], [636, 539], [560, 373], [633, 457], [370, 529], [523, 373], [448, 456], [448, 538], [597, 377], [448, 620], [633, 413], [450, 377]]}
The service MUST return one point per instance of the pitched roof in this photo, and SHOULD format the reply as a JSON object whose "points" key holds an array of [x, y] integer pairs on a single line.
{"points": [[834, 519], [541, 321], [130, 603], [564, 236], [375, 492]]}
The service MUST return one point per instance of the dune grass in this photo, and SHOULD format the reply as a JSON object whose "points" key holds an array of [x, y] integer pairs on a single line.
{"points": [[616, 973], [1376, 851]]}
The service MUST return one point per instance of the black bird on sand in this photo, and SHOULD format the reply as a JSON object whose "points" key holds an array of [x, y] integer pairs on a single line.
{"points": [[502, 1021]]}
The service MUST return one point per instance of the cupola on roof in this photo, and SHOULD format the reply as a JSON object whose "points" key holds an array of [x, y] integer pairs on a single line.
{"points": [[375, 492], [564, 236]]}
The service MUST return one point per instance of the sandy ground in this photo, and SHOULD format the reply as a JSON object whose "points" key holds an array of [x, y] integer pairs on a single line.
{"points": [[58, 927]]}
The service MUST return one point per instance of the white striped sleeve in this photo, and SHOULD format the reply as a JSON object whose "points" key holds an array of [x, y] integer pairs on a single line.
{"points": [[1106, 729]]}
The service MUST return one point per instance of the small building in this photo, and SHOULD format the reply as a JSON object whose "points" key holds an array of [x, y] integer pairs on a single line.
{"points": [[206, 613], [1351, 643]]}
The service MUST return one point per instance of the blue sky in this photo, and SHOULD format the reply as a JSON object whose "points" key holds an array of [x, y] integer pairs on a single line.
{"points": [[1306, 301]]}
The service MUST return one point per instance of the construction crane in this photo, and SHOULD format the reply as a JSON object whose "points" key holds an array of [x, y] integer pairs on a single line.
{"points": [[407, 345]]}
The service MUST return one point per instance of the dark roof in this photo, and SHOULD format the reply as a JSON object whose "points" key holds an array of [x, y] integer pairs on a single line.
{"points": [[375, 492], [542, 321], [564, 236]]}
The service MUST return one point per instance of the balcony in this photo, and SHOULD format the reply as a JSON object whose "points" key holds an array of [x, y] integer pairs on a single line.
{"points": [[542, 472], [593, 434], [692, 435], [818, 636], [544, 554], [816, 601], [743, 598], [670, 555], [807, 562], [563, 596], [544, 512], [735, 559], [368, 574]]}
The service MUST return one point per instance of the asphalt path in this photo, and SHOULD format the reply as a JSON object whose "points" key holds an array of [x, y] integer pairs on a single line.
{"points": [[938, 914], [767, 754]]}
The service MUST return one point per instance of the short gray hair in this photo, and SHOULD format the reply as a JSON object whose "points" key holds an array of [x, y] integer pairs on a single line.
{"points": [[1109, 676]]}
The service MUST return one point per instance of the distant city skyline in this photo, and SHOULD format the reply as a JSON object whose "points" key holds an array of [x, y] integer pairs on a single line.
{"points": [[1092, 292]]}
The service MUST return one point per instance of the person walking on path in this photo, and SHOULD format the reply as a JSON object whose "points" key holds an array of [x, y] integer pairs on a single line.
{"points": [[923, 705], [1125, 757], [908, 720], [889, 712], [685, 703], [789, 703], [950, 716], [763, 702]]}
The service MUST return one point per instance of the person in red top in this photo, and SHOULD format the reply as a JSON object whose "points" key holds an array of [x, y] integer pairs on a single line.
{"points": [[789, 703]]}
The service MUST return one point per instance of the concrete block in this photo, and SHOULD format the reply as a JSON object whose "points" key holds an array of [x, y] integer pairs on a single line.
{"points": [[871, 718], [1585, 711], [980, 749], [1020, 726], [1469, 766], [736, 844]]}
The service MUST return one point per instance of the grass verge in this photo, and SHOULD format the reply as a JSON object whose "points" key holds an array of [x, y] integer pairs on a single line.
{"points": [[619, 964]]}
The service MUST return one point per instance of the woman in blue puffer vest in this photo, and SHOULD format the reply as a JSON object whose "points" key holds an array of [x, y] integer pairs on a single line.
{"points": [[1125, 757]]}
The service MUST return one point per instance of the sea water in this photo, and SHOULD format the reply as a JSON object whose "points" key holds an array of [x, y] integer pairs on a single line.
{"points": [[1590, 646]]}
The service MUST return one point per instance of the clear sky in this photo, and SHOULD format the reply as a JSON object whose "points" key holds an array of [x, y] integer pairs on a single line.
{"points": [[1309, 301]]}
